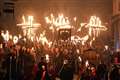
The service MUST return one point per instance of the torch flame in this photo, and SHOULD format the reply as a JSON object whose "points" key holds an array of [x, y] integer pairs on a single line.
{"points": [[28, 26], [6, 35], [59, 22], [87, 63], [47, 57], [15, 39], [94, 27]]}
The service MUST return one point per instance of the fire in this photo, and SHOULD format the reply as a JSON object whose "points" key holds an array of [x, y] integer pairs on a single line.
{"points": [[32, 38], [6, 35], [87, 63], [50, 44], [15, 39], [29, 26], [47, 58], [75, 19], [80, 59], [77, 39], [59, 22], [43, 39], [94, 27], [106, 47], [11, 37]]}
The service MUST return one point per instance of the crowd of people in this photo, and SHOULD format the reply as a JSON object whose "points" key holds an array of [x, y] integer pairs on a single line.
{"points": [[27, 61]]}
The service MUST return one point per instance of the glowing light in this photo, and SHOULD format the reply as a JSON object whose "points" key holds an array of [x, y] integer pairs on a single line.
{"points": [[59, 22], [6, 35], [43, 38], [85, 38], [52, 28], [15, 39], [11, 37], [25, 39], [50, 44], [106, 47], [65, 62], [77, 39], [78, 51], [91, 41], [44, 41], [75, 19], [37, 39], [1, 46], [29, 26], [32, 38], [87, 63], [80, 59], [47, 57], [83, 43], [32, 49], [94, 27]]}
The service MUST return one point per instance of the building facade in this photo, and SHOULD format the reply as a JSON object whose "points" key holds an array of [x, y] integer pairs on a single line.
{"points": [[7, 16], [116, 24]]}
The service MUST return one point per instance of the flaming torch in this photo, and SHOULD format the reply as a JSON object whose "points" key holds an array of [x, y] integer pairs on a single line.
{"points": [[59, 22], [94, 27], [6, 35], [29, 26], [47, 58], [87, 63], [80, 59], [15, 39]]}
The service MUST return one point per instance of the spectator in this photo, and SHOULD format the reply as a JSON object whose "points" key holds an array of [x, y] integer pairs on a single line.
{"points": [[42, 73], [114, 75]]}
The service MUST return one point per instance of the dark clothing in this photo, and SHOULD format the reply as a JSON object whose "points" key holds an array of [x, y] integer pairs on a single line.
{"points": [[28, 62], [10, 66], [86, 75], [94, 78], [41, 71], [114, 75], [101, 72], [66, 74]]}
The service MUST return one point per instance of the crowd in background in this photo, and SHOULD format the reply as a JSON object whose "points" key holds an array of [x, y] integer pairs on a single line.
{"points": [[22, 61]]}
